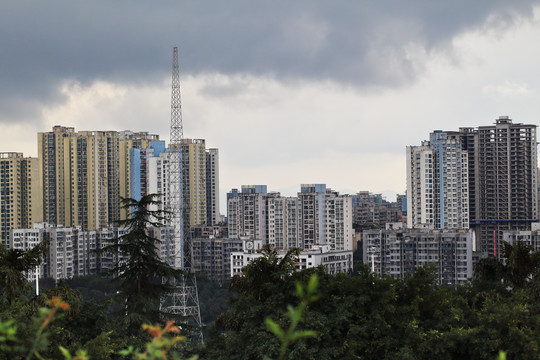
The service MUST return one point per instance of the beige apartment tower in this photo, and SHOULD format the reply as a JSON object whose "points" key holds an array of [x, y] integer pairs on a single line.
{"points": [[194, 179], [20, 196], [80, 177]]}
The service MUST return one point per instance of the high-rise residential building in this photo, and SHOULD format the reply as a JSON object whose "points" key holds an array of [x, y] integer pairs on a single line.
{"points": [[247, 212], [282, 224], [339, 221], [20, 193], [139, 174], [194, 179], [317, 216], [506, 181], [85, 174], [80, 176], [420, 190], [199, 174], [312, 215], [213, 216], [491, 171], [158, 177], [437, 183], [132, 164]]}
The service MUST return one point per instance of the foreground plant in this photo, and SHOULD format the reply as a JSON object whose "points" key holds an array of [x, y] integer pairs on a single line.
{"points": [[10, 344], [287, 337], [161, 345]]}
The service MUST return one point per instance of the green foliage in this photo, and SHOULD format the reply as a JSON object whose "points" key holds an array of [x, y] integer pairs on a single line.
{"points": [[213, 299], [140, 276], [8, 337], [519, 270], [13, 264], [306, 295], [363, 316], [161, 346], [262, 274], [371, 317], [15, 346]]}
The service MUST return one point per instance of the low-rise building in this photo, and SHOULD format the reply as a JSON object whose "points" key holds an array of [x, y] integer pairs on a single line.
{"points": [[211, 257], [334, 262], [398, 252], [530, 237]]}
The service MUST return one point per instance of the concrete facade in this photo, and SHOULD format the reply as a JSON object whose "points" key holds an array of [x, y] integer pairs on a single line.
{"points": [[398, 252]]}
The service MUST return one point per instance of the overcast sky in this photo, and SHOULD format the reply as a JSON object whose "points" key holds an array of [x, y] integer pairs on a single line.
{"points": [[290, 92]]}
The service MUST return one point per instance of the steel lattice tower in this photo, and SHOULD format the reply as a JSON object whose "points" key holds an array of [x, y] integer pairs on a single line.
{"points": [[184, 301]]}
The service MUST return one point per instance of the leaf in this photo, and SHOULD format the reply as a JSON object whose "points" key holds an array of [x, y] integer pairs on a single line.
{"points": [[65, 352], [299, 290], [302, 334], [274, 328], [313, 284], [294, 314]]}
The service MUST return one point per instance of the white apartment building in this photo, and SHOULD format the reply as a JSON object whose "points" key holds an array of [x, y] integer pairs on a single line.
{"points": [[70, 250], [530, 237], [334, 262], [283, 224], [437, 183], [339, 220], [26, 239], [312, 215], [317, 216], [247, 213]]}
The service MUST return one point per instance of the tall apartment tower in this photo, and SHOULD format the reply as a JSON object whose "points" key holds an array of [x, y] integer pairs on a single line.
{"points": [[158, 178], [20, 193], [437, 181], [282, 224], [312, 215], [506, 181], [339, 221], [194, 179], [420, 182], [139, 168], [247, 213], [213, 216], [317, 216], [80, 177], [484, 177], [132, 170]]}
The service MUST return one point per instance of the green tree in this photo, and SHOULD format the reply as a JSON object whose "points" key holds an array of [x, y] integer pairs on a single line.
{"points": [[521, 265], [263, 290], [140, 275], [260, 276], [13, 264]]}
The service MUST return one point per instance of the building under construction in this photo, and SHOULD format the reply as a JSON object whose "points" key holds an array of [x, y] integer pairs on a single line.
{"points": [[505, 183], [491, 171]]}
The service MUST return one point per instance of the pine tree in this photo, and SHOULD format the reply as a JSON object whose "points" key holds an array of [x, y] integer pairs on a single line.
{"points": [[141, 273]]}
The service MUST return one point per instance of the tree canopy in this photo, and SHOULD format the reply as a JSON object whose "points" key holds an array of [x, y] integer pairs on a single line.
{"points": [[141, 274], [13, 265]]}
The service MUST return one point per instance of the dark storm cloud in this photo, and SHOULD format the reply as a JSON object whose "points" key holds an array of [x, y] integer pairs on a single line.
{"points": [[358, 43]]}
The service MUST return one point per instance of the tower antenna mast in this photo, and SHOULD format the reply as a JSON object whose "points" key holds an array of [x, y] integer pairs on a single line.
{"points": [[184, 300]]}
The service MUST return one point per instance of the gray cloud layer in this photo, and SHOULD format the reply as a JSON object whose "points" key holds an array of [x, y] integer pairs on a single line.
{"points": [[357, 43]]}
